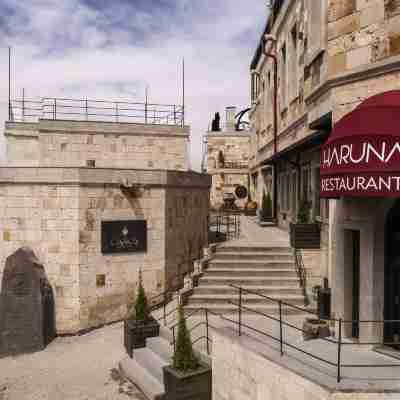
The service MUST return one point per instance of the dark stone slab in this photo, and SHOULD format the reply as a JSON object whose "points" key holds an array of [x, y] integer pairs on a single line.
{"points": [[27, 322]]}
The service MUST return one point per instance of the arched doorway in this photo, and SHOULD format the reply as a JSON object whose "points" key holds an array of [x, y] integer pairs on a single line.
{"points": [[392, 274]]}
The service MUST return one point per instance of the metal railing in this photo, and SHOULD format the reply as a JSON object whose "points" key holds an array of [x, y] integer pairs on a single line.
{"points": [[301, 273], [338, 342], [233, 165], [22, 110], [223, 225]]}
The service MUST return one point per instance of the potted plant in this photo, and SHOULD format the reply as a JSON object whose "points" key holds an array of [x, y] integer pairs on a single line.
{"points": [[139, 325], [305, 234], [266, 208], [186, 378]]}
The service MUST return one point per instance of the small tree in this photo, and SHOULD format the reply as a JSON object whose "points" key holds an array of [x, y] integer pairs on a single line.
{"points": [[141, 306], [303, 214], [266, 210], [183, 358]]}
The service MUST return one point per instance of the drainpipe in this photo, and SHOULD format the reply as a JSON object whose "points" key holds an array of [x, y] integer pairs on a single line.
{"points": [[273, 57]]}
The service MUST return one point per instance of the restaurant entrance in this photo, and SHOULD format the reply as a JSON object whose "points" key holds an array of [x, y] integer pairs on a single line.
{"points": [[392, 275]]}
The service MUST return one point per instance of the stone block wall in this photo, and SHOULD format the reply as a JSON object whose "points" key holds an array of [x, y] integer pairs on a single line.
{"points": [[362, 33], [110, 145]]}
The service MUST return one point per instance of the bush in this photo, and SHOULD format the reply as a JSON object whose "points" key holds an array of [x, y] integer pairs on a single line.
{"points": [[141, 306], [183, 358], [266, 210], [303, 214]]}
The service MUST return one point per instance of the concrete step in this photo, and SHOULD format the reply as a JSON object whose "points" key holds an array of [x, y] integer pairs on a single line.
{"points": [[250, 264], [141, 377], [254, 249], [151, 362], [249, 281], [228, 309], [260, 255], [267, 290], [253, 272], [247, 299], [161, 347]]}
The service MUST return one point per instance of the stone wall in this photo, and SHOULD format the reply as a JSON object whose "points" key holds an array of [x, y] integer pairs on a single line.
{"points": [[246, 370], [111, 145], [58, 213]]}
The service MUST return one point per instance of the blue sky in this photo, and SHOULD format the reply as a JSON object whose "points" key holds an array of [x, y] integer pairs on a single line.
{"points": [[112, 49]]}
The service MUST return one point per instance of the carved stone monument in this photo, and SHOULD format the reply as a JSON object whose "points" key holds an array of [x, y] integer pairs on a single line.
{"points": [[27, 322]]}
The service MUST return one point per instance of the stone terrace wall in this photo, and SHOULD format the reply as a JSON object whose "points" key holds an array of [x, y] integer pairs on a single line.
{"points": [[111, 145]]}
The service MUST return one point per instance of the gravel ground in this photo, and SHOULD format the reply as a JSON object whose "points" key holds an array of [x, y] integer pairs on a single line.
{"points": [[70, 368]]}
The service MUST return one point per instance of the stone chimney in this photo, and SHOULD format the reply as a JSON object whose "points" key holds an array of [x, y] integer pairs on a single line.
{"points": [[230, 118]]}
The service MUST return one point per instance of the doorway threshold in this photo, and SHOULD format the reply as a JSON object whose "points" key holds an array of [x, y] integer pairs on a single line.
{"points": [[388, 351]]}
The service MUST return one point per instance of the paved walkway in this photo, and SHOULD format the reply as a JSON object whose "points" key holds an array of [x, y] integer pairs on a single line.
{"points": [[74, 368], [251, 234]]}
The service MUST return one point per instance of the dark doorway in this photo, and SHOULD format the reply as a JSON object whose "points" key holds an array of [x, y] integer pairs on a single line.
{"points": [[392, 275], [355, 314]]}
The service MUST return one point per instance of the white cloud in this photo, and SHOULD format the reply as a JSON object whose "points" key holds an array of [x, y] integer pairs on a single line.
{"points": [[65, 48]]}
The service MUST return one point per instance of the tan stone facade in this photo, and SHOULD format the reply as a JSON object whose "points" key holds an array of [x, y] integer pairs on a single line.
{"points": [[54, 201], [332, 55], [231, 169]]}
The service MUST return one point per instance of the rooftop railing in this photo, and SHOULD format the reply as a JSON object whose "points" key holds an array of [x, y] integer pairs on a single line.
{"points": [[22, 110]]}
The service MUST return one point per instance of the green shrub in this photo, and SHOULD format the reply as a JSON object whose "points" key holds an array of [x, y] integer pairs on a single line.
{"points": [[266, 210], [303, 214], [141, 306], [183, 358]]}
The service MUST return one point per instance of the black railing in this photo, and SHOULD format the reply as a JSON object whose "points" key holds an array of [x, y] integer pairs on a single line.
{"points": [[95, 110], [339, 343], [301, 273], [223, 225], [233, 165]]}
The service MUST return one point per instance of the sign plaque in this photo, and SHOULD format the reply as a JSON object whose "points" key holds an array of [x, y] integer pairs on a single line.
{"points": [[123, 236]]}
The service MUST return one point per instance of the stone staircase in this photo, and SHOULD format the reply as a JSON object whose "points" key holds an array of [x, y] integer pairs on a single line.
{"points": [[266, 270], [145, 368]]}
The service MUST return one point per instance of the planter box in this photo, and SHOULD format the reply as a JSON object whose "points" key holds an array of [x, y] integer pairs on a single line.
{"points": [[250, 212], [136, 333], [195, 385], [305, 236]]}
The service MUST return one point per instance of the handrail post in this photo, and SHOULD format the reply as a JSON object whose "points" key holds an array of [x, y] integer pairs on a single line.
{"points": [[240, 311], [339, 350], [87, 112], [173, 336], [207, 337], [55, 109], [280, 327], [174, 114]]}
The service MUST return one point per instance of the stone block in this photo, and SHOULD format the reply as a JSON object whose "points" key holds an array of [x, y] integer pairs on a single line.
{"points": [[394, 45], [373, 14], [343, 26], [340, 8], [357, 57]]}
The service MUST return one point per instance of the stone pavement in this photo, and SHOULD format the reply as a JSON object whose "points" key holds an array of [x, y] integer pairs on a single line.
{"points": [[251, 234], [70, 368]]}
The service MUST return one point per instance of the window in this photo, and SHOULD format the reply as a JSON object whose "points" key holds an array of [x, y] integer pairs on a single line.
{"points": [[293, 65], [283, 82]]}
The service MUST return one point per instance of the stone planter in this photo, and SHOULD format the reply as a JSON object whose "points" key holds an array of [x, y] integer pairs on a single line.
{"points": [[136, 333], [305, 236], [315, 329], [194, 385]]}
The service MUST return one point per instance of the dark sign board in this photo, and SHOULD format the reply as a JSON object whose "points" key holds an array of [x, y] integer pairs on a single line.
{"points": [[123, 237]]}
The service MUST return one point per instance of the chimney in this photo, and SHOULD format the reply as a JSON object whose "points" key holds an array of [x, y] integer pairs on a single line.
{"points": [[230, 118]]}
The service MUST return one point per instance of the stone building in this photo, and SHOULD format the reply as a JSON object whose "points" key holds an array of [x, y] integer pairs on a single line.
{"points": [[227, 160], [331, 56], [79, 193]]}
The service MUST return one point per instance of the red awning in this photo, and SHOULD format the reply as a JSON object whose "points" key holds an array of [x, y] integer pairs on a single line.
{"points": [[362, 154]]}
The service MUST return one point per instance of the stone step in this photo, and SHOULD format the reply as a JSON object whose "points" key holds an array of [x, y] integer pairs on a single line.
{"points": [[267, 290], [253, 256], [253, 272], [249, 264], [161, 347], [150, 361], [254, 249], [250, 299], [249, 281], [229, 309], [141, 377]]}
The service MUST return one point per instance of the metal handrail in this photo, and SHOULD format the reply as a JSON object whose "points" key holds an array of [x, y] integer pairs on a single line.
{"points": [[96, 110], [339, 342]]}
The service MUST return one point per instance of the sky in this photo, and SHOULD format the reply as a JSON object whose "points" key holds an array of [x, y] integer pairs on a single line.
{"points": [[102, 49]]}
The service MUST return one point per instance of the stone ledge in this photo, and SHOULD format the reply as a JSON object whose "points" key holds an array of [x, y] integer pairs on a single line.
{"points": [[113, 176]]}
